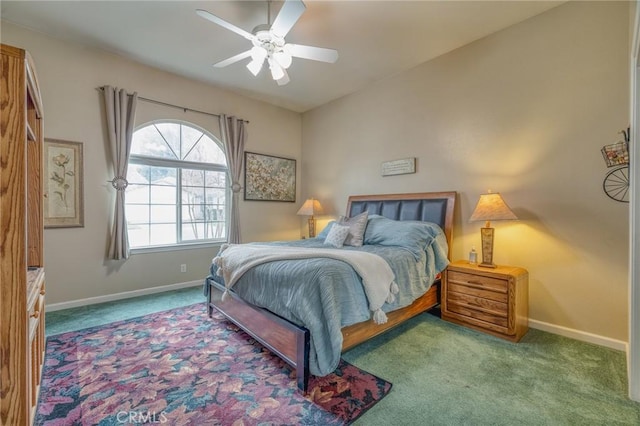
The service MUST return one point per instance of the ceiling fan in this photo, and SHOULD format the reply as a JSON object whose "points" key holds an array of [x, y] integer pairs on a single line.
{"points": [[268, 42]]}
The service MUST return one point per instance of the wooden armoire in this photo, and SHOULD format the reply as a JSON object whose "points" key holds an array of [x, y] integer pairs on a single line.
{"points": [[22, 289]]}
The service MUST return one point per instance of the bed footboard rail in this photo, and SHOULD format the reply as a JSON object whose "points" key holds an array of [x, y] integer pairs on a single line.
{"points": [[286, 340]]}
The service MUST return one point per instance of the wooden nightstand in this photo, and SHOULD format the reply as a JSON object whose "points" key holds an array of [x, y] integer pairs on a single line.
{"points": [[495, 301]]}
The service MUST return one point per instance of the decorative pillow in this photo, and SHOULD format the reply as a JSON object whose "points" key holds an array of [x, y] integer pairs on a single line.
{"points": [[337, 234], [357, 225], [323, 234]]}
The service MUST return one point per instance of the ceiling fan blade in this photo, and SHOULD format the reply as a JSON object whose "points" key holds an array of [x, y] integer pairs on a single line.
{"points": [[314, 53], [213, 18], [289, 14], [233, 59], [284, 79]]}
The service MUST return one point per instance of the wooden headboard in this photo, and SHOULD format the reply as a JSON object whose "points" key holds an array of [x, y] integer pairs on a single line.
{"points": [[436, 207]]}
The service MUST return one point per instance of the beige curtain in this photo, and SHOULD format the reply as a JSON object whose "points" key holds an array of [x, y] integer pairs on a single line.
{"points": [[234, 134], [120, 110]]}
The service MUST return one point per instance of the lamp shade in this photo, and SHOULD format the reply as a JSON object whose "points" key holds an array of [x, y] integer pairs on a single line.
{"points": [[491, 206], [310, 208]]}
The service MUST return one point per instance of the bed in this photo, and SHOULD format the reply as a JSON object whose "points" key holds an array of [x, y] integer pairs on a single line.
{"points": [[286, 335]]}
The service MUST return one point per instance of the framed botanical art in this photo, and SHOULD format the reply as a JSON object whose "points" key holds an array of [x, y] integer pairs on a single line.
{"points": [[269, 178], [63, 189]]}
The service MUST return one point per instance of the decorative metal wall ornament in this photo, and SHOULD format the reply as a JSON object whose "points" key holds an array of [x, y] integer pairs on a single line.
{"points": [[616, 182]]}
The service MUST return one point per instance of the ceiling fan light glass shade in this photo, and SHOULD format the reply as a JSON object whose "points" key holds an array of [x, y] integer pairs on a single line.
{"points": [[283, 58], [284, 80], [258, 53], [255, 66], [276, 70]]}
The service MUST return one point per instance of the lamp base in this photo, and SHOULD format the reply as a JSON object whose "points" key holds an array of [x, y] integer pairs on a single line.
{"points": [[486, 234], [312, 227]]}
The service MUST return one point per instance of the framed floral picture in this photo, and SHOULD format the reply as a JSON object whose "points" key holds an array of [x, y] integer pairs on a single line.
{"points": [[63, 191], [269, 178]]}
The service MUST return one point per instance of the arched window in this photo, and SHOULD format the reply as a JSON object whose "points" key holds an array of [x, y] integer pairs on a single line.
{"points": [[177, 191]]}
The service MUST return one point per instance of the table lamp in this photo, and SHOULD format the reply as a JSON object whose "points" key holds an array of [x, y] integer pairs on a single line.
{"points": [[490, 207], [309, 208]]}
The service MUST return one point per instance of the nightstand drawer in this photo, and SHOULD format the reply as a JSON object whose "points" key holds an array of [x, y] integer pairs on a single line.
{"points": [[471, 315], [488, 306], [497, 296], [478, 281]]}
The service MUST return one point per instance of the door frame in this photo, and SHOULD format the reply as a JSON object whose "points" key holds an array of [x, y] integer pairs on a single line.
{"points": [[633, 352]]}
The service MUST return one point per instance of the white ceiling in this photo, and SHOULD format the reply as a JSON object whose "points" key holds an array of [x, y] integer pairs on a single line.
{"points": [[375, 39]]}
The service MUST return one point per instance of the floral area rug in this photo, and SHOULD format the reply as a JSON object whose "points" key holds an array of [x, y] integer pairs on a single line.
{"points": [[180, 367]]}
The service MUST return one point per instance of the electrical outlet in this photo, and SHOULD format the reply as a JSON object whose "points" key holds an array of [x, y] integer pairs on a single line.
{"points": [[183, 267]]}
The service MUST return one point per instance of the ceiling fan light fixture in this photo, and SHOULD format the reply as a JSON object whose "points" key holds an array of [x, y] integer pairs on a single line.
{"points": [[269, 42], [258, 53], [284, 80], [283, 58], [276, 70]]}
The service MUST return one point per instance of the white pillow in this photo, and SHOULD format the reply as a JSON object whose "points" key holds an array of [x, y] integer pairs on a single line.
{"points": [[337, 234], [357, 225]]}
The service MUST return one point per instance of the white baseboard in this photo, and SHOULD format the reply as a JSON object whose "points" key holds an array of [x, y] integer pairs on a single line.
{"points": [[540, 325], [579, 335], [119, 296]]}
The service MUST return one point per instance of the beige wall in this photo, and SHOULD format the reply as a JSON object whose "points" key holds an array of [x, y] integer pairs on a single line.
{"points": [[523, 112], [68, 74]]}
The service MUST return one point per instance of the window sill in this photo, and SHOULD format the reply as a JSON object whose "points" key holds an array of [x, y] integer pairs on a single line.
{"points": [[176, 247]]}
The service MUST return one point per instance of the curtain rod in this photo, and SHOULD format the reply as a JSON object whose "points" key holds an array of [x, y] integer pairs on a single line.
{"points": [[185, 109]]}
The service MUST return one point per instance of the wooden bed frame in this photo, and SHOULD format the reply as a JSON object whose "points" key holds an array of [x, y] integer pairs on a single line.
{"points": [[291, 342]]}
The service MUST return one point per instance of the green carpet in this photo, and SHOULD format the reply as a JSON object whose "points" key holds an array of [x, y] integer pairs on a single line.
{"points": [[444, 374], [57, 322]]}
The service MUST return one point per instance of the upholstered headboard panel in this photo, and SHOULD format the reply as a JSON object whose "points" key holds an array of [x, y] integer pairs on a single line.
{"points": [[436, 207]]}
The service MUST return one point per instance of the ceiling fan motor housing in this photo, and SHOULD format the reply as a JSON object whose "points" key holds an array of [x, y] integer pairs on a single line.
{"points": [[267, 40]]}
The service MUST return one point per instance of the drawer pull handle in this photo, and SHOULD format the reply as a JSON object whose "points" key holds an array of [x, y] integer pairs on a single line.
{"points": [[35, 314]]}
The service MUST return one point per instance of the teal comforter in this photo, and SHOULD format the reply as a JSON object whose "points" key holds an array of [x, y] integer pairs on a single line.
{"points": [[324, 295]]}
